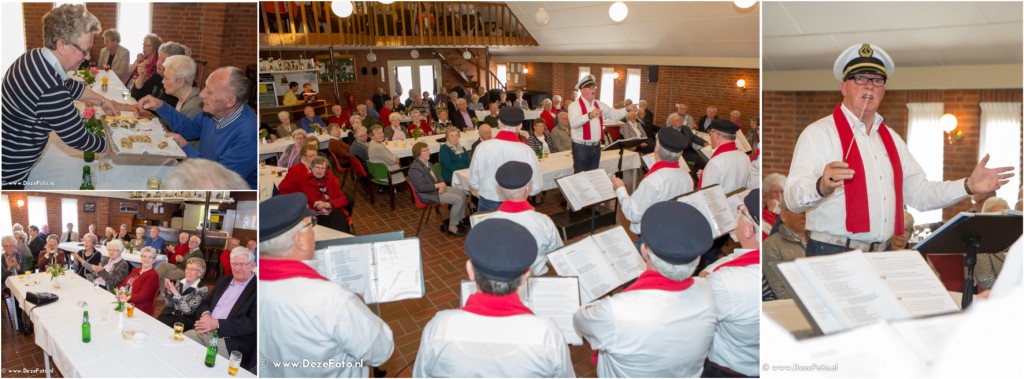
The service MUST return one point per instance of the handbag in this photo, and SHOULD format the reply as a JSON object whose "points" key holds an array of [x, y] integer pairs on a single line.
{"points": [[40, 298]]}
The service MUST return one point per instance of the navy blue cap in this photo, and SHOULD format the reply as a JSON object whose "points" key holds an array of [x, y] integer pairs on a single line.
{"points": [[753, 203], [501, 249], [672, 140], [676, 232], [514, 175], [286, 210], [511, 116], [724, 126]]}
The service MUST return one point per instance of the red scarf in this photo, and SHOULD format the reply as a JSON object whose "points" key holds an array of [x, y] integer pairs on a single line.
{"points": [[749, 258], [586, 130], [660, 165], [506, 135], [753, 156], [515, 206], [857, 217], [731, 146], [281, 269], [496, 306]]}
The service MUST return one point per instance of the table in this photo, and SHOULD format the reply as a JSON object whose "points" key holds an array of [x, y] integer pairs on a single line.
{"points": [[134, 258], [58, 332], [324, 233], [60, 166], [269, 180], [274, 149], [403, 149], [559, 164]]}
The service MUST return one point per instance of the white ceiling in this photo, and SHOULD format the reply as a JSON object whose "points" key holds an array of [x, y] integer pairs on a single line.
{"points": [[684, 29], [809, 35]]}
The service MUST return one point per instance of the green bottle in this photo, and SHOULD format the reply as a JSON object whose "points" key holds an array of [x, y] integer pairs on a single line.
{"points": [[211, 351], [86, 328], [86, 178]]}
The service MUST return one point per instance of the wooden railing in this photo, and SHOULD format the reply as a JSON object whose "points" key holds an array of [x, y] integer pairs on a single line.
{"points": [[373, 24]]}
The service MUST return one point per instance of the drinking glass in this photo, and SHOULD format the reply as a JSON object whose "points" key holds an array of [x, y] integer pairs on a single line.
{"points": [[234, 361], [131, 310], [178, 329]]}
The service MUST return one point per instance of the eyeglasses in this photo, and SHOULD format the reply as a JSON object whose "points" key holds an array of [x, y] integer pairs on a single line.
{"points": [[742, 210], [312, 223], [862, 80], [80, 50]]}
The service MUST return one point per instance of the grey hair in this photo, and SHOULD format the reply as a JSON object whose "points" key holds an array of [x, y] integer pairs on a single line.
{"points": [[353, 119], [666, 155], [53, 237], [283, 114], [124, 226], [514, 193], [375, 128], [198, 240], [492, 286], [361, 107], [394, 116], [671, 271], [546, 102], [115, 245], [111, 230], [113, 35], [197, 173], [239, 83], [156, 42], [89, 236], [182, 66], [992, 203], [774, 179], [557, 97], [243, 252], [10, 239], [68, 22], [280, 246], [360, 130], [726, 136], [148, 249], [140, 228], [296, 132], [198, 262], [21, 236]]}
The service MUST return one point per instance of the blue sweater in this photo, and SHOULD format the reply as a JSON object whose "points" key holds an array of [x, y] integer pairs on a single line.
{"points": [[305, 122], [233, 145], [157, 244]]}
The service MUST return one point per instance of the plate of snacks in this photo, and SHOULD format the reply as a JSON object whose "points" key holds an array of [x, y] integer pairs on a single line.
{"points": [[130, 135]]}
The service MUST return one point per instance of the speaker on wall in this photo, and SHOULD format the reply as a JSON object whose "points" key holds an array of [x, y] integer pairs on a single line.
{"points": [[652, 74]]}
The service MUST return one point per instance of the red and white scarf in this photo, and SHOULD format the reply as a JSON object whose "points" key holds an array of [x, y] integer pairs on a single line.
{"points": [[858, 220], [731, 146], [660, 165], [515, 206], [586, 129], [496, 306], [752, 257]]}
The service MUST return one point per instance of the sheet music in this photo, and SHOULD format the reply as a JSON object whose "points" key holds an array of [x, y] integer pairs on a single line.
{"points": [[812, 303], [585, 260], [398, 271], [712, 203], [851, 289], [349, 266], [928, 337], [741, 142], [558, 299], [468, 287], [913, 282], [477, 217], [621, 253], [586, 188], [649, 162]]}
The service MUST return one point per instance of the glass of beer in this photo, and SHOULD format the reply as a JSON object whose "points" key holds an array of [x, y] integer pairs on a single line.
{"points": [[131, 310], [178, 329], [234, 361], [125, 95], [105, 80]]}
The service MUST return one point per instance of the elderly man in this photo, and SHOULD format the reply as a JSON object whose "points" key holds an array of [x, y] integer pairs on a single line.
{"points": [[675, 121], [494, 334], [586, 117], [368, 119], [230, 310], [663, 324], [13, 264], [70, 235], [520, 102], [665, 181], [483, 134], [514, 179], [727, 166], [463, 117], [310, 120], [562, 132], [225, 256], [226, 128], [155, 241], [176, 271], [113, 55], [774, 185], [313, 318], [710, 114], [336, 117], [386, 111], [854, 150], [251, 245], [337, 146], [493, 153]]}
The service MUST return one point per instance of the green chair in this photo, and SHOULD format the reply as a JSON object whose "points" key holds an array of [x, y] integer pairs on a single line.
{"points": [[381, 176], [437, 169]]}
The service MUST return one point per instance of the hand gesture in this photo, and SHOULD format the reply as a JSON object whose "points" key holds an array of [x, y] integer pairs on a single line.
{"points": [[833, 176], [151, 103], [177, 139], [986, 180], [617, 183]]}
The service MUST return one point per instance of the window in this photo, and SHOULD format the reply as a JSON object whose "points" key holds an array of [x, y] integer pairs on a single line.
{"points": [[68, 213], [134, 21], [405, 82], [502, 74], [36, 211], [427, 79], [1000, 138], [633, 84], [14, 44], [925, 142], [584, 71], [5, 211], [608, 86]]}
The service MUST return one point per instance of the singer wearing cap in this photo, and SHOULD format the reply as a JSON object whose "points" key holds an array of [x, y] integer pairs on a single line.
{"points": [[853, 175], [586, 117]]}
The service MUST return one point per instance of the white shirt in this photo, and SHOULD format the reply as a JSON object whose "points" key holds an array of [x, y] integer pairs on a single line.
{"points": [[819, 145], [737, 342], [1011, 276], [754, 178], [493, 153], [319, 320], [664, 184], [542, 229], [650, 333], [457, 343], [578, 120], [730, 170]]}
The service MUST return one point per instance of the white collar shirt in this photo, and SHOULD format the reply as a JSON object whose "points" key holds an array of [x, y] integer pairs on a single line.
{"points": [[819, 145], [579, 120], [737, 341], [729, 169], [542, 229], [664, 184], [493, 153]]}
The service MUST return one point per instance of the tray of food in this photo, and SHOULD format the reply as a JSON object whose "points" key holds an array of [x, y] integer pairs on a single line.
{"points": [[129, 135]]}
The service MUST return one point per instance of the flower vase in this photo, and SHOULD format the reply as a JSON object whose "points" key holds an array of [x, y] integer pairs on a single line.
{"points": [[89, 156], [56, 282], [120, 321]]}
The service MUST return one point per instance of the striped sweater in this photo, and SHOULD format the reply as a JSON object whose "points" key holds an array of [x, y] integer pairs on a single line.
{"points": [[36, 100]]}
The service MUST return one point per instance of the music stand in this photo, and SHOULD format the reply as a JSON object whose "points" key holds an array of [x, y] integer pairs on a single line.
{"points": [[622, 145], [972, 234]]}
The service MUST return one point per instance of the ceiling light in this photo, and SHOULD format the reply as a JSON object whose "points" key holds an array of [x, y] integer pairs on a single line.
{"points": [[618, 11], [386, 2], [744, 4], [371, 56], [342, 8], [542, 16], [467, 55]]}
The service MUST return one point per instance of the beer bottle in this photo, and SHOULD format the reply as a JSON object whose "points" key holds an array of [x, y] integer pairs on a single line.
{"points": [[86, 328], [211, 350], [86, 179]]}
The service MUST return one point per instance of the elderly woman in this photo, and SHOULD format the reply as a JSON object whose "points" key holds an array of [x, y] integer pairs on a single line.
{"points": [[432, 190], [734, 116], [322, 190], [183, 297], [418, 122], [548, 114], [21, 239], [287, 128], [381, 154], [46, 103], [115, 270], [453, 156], [50, 253], [179, 73], [140, 239], [442, 123], [154, 84], [145, 64], [88, 256], [475, 103], [143, 282], [109, 234], [290, 156], [540, 140], [395, 131], [114, 56]]}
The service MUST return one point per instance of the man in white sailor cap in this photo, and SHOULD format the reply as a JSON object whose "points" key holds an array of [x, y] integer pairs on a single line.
{"points": [[586, 117], [853, 175]]}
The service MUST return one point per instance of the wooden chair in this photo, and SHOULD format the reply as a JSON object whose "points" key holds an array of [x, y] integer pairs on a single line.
{"points": [[425, 207], [381, 176]]}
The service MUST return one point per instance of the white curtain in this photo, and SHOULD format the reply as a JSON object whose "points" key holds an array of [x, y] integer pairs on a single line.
{"points": [[36, 211], [5, 216], [134, 21], [925, 142], [14, 38], [68, 213], [584, 71], [1000, 138], [633, 85], [608, 86]]}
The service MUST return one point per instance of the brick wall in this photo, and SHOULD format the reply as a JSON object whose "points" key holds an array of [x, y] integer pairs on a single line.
{"points": [[787, 113]]}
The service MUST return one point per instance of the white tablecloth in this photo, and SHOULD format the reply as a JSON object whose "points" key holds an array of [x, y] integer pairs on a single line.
{"points": [[135, 259], [58, 331], [403, 149], [559, 164], [273, 149], [60, 167], [269, 180]]}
